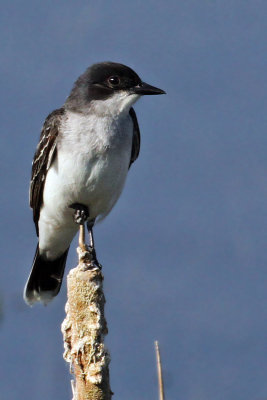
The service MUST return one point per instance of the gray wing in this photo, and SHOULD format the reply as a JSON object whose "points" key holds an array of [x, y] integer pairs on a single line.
{"points": [[43, 157], [136, 137]]}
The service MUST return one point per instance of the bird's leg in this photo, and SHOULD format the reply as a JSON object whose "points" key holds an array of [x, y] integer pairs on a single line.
{"points": [[81, 214], [94, 261], [82, 244]]}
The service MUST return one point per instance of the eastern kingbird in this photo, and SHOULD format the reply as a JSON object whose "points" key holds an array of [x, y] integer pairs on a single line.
{"points": [[80, 166]]}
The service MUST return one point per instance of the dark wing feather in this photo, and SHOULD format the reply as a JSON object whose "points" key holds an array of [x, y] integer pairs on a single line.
{"points": [[43, 157], [136, 137]]}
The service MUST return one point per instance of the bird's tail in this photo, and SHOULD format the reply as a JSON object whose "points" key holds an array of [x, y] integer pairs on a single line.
{"points": [[45, 279]]}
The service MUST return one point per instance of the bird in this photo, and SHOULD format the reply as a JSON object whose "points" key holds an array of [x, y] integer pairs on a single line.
{"points": [[80, 165]]}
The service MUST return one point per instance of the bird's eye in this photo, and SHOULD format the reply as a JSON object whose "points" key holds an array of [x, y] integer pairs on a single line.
{"points": [[114, 80]]}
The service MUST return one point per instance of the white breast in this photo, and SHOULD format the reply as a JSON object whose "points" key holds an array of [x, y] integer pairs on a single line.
{"points": [[93, 156]]}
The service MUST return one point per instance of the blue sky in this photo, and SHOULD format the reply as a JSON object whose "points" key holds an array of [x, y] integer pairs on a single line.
{"points": [[184, 250]]}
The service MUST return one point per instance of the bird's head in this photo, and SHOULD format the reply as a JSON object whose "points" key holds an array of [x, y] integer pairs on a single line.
{"points": [[109, 88]]}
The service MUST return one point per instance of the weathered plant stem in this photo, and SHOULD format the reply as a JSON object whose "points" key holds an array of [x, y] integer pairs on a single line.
{"points": [[160, 378], [84, 329]]}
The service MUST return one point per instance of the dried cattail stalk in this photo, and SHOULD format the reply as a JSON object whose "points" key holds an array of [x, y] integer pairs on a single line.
{"points": [[84, 329]]}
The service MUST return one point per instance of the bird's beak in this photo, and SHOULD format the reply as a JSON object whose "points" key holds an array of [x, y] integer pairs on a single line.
{"points": [[144, 88]]}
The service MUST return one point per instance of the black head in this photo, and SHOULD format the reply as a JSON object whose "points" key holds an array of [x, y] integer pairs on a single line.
{"points": [[104, 80]]}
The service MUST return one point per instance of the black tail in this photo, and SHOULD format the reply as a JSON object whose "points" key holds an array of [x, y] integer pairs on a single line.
{"points": [[45, 278]]}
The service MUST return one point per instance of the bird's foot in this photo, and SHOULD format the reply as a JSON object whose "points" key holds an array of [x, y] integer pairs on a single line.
{"points": [[88, 255], [90, 261], [94, 264], [81, 213]]}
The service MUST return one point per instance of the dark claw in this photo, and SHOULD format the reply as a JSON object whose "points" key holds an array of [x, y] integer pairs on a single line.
{"points": [[92, 262], [92, 265], [81, 213]]}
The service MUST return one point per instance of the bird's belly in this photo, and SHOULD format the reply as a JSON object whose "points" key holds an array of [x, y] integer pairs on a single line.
{"points": [[101, 183], [96, 182]]}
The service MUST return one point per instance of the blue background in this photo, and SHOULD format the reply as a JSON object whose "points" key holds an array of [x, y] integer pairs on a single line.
{"points": [[184, 250]]}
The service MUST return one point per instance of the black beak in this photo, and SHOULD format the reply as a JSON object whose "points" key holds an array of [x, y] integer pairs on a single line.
{"points": [[145, 88]]}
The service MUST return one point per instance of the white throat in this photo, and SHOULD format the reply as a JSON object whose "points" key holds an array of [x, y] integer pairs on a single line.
{"points": [[119, 103]]}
